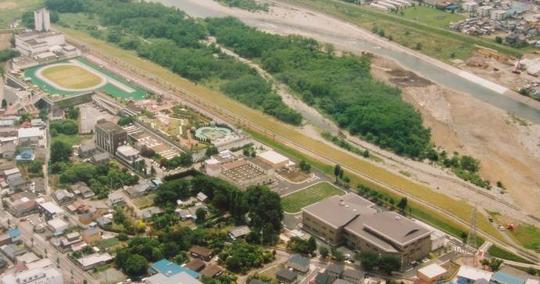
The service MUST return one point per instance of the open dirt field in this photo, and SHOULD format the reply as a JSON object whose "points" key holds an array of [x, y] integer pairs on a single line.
{"points": [[8, 5], [71, 76], [508, 148]]}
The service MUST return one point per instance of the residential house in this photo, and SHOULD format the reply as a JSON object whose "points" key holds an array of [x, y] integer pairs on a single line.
{"points": [[63, 196], [140, 189], [239, 232], [50, 210], [286, 276], [196, 265], [169, 268], [21, 204], [87, 150], [212, 270], [100, 158], [299, 263], [94, 260], [91, 235], [201, 252], [57, 226]]}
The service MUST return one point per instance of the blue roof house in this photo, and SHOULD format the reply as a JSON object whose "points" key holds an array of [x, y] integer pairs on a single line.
{"points": [[169, 268], [14, 234], [505, 278]]}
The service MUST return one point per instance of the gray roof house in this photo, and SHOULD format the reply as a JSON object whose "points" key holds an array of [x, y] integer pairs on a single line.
{"points": [[298, 263]]}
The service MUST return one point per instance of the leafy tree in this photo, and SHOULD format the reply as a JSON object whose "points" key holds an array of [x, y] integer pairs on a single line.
{"points": [[241, 257], [402, 205], [72, 113], [301, 246], [201, 215], [304, 166], [135, 266], [125, 120], [389, 263], [60, 151], [212, 150], [36, 167], [369, 260], [337, 171], [323, 251], [265, 211], [4, 103]]}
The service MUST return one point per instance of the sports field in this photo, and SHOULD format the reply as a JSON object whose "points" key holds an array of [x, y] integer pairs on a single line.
{"points": [[76, 76], [71, 76], [297, 200]]}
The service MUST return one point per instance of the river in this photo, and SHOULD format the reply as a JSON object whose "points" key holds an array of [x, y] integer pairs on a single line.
{"points": [[356, 39]]}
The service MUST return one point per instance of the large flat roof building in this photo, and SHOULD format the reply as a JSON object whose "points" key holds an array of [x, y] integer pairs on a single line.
{"points": [[355, 222], [110, 136], [328, 218]]}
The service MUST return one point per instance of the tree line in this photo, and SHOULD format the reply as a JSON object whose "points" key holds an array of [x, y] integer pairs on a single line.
{"points": [[340, 86], [170, 38]]}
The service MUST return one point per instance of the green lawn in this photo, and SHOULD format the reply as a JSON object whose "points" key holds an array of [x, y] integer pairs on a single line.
{"points": [[296, 201], [528, 236], [498, 252], [70, 139], [431, 16], [144, 201]]}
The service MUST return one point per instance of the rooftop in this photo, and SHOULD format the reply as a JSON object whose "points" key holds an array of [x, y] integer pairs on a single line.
{"points": [[433, 270], [30, 132], [273, 157], [181, 277], [109, 126], [169, 268], [338, 211], [471, 273], [51, 208], [395, 227], [127, 151], [505, 278]]}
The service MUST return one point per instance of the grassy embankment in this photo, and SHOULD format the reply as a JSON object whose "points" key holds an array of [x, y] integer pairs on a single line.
{"points": [[294, 202], [435, 41], [10, 10], [223, 104]]}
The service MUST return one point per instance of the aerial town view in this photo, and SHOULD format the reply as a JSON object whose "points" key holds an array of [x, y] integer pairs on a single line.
{"points": [[269, 141]]}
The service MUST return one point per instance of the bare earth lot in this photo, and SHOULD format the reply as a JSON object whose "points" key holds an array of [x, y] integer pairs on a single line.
{"points": [[508, 148]]}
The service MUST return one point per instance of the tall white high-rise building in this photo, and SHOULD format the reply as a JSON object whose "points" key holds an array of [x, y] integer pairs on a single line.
{"points": [[42, 20]]}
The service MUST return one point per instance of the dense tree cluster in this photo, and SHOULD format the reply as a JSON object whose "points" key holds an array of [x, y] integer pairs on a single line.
{"points": [[262, 206], [299, 245], [240, 257], [101, 179], [183, 160], [64, 126], [340, 86], [174, 40], [385, 263]]}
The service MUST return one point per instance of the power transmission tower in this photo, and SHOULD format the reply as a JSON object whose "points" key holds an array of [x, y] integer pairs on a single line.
{"points": [[471, 237]]}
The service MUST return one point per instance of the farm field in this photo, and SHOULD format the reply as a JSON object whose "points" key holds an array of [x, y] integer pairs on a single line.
{"points": [[223, 104], [297, 200], [71, 76]]}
